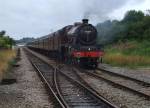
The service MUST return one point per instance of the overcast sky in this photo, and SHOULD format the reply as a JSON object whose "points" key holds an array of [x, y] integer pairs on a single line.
{"points": [[35, 18]]}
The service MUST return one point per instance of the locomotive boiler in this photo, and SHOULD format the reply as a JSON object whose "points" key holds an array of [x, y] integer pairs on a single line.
{"points": [[74, 44]]}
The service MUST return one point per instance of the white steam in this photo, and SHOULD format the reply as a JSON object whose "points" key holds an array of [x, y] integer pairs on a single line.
{"points": [[100, 9]]}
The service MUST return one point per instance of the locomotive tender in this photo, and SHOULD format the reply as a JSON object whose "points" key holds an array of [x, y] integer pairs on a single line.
{"points": [[74, 44]]}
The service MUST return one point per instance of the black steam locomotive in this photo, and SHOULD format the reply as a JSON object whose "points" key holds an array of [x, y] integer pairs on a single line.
{"points": [[75, 44]]}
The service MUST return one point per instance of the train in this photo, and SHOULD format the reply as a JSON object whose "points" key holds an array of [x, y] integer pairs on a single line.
{"points": [[73, 44]]}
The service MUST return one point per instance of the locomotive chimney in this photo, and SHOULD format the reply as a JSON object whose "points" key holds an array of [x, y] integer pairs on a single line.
{"points": [[85, 21]]}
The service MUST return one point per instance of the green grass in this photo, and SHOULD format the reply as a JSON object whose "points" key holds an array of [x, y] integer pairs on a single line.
{"points": [[129, 54]]}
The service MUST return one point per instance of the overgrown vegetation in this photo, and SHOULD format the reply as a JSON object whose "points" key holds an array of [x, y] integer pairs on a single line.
{"points": [[6, 60], [129, 54], [5, 41], [128, 40], [6, 53]]}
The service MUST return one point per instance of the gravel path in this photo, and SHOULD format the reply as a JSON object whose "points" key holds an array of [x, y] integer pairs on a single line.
{"points": [[28, 92], [120, 97], [140, 73]]}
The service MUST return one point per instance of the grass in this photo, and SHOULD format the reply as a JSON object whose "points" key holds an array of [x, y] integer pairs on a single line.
{"points": [[6, 60], [130, 54]]}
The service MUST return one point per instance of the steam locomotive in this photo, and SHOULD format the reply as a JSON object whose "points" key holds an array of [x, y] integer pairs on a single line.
{"points": [[74, 44]]}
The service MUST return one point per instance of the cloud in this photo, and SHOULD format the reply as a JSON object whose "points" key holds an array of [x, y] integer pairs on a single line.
{"points": [[35, 18]]}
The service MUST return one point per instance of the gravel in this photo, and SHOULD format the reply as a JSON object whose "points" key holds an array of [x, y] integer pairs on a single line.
{"points": [[28, 92], [121, 98], [139, 73], [126, 82]]}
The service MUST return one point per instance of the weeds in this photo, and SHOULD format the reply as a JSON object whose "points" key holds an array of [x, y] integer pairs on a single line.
{"points": [[131, 54], [6, 59]]}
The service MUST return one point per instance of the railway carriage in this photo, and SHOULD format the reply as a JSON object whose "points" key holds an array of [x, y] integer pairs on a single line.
{"points": [[74, 44]]}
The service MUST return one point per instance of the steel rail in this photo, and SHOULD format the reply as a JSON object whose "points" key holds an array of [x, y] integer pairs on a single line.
{"points": [[58, 91], [59, 97], [48, 85], [88, 89], [125, 76], [117, 84]]}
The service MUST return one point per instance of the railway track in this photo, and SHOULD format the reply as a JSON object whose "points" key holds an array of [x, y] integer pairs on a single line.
{"points": [[67, 91], [46, 74], [128, 83], [124, 76]]}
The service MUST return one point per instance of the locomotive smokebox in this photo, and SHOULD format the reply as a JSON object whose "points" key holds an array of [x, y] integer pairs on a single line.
{"points": [[85, 21]]}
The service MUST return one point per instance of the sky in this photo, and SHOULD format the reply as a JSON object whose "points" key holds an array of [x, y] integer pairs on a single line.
{"points": [[36, 18]]}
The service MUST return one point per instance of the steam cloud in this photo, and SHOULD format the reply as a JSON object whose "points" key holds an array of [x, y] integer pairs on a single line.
{"points": [[100, 9]]}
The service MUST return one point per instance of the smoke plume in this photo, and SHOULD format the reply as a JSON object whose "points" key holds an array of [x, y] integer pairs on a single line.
{"points": [[100, 9]]}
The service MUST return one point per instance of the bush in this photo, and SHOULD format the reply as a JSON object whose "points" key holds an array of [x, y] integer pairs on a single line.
{"points": [[5, 41]]}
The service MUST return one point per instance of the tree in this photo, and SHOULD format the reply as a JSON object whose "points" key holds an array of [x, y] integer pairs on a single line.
{"points": [[134, 26], [2, 33], [133, 16], [5, 41]]}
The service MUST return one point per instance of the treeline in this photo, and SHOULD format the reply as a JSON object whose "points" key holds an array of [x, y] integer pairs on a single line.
{"points": [[24, 40], [5, 41], [134, 26]]}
